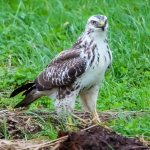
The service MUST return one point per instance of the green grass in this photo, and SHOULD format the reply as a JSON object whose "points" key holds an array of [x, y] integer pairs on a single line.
{"points": [[33, 32], [131, 126]]}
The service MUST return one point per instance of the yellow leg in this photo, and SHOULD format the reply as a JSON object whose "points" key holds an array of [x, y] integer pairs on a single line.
{"points": [[95, 117], [70, 124], [69, 120]]}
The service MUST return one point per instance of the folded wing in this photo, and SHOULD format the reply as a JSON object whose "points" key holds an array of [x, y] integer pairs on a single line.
{"points": [[61, 71]]}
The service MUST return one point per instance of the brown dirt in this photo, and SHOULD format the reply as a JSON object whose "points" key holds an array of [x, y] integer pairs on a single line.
{"points": [[17, 124], [99, 138], [89, 137]]}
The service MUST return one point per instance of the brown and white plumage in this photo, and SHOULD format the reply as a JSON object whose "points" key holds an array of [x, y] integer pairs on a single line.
{"points": [[78, 70]]}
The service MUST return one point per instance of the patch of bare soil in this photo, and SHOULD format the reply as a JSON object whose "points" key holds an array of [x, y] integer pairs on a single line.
{"points": [[17, 123], [89, 137], [99, 138]]}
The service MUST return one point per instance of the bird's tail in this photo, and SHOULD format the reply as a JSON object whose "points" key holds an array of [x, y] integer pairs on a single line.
{"points": [[31, 94]]}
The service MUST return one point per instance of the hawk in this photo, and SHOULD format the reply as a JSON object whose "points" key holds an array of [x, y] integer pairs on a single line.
{"points": [[78, 70]]}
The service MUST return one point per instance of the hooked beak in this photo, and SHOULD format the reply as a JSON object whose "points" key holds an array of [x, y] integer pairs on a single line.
{"points": [[102, 24]]}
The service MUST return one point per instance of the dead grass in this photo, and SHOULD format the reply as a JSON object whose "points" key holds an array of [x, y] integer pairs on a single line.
{"points": [[19, 122]]}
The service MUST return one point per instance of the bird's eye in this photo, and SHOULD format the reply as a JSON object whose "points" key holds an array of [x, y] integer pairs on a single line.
{"points": [[93, 22]]}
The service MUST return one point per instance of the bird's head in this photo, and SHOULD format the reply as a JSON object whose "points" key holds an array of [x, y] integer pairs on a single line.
{"points": [[97, 23]]}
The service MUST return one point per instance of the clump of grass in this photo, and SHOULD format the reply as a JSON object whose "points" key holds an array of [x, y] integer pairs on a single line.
{"points": [[132, 126]]}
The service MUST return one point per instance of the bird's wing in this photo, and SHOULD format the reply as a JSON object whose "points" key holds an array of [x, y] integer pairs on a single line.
{"points": [[63, 70]]}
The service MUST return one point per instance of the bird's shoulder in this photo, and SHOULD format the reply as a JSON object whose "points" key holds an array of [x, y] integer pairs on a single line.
{"points": [[65, 55]]}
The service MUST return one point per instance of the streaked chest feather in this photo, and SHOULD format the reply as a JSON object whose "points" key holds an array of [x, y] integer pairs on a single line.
{"points": [[99, 58]]}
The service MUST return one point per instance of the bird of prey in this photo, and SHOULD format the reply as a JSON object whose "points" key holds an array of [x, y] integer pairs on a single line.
{"points": [[78, 70]]}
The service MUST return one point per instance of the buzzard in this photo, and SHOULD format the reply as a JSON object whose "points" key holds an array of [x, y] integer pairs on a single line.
{"points": [[78, 70]]}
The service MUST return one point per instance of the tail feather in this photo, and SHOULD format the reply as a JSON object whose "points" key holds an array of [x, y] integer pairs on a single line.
{"points": [[29, 98], [22, 88], [31, 93]]}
